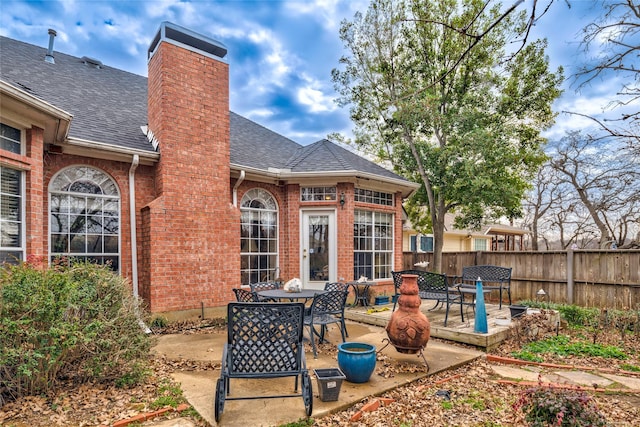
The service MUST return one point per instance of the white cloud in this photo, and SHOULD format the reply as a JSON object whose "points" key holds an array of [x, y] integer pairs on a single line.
{"points": [[259, 113], [315, 100], [325, 11]]}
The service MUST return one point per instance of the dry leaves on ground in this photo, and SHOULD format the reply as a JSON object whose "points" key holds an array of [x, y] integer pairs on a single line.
{"points": [[467, 396]]}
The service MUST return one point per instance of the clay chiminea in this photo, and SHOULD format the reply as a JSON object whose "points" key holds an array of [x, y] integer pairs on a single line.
{"points": [[409, 329]]}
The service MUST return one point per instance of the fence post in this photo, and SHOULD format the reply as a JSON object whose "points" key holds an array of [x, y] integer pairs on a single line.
{"points": [[569, 276]]}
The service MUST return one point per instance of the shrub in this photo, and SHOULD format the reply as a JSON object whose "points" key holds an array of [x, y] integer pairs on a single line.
{"points": [[75, 322], [546, 406]]}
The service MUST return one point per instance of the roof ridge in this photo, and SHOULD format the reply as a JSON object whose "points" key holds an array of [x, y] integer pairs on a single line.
{"points": [[308, 150], [302, 153], [334, 148]]}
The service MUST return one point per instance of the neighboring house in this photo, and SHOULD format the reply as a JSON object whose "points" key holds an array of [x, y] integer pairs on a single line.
{"points": [[159, 179], [491, 237]]}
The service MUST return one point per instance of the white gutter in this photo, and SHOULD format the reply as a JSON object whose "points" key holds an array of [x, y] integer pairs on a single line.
{"points": [[96, 146], [235, 188]]}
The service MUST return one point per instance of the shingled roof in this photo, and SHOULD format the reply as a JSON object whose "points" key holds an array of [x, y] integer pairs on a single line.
{"points": [[109, 106]]}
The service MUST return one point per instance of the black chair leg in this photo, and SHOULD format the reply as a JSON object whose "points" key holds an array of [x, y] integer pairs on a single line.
{"points": [[446, 315]]}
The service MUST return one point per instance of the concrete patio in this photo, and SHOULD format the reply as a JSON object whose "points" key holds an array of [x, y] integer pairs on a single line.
{"points": [[365, 324]]}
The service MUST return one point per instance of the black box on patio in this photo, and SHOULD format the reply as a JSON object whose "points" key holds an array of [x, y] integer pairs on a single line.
{"points": [[329, 383]]}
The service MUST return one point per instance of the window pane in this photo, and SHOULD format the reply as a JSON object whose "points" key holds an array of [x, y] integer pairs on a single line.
{"points": [[111, 225], [94, 244], [111, 244], [10, 138], [94, 224], [10, 235], [78, 243], [10, 257], [59, 243], [59, 223], [77, 205], [77, 224]]}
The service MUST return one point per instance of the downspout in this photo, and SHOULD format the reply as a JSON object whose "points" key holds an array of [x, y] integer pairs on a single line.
{"points": [[134, 239], [235, 188]]}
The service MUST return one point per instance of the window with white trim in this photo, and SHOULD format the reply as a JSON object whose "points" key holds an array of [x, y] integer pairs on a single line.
{"points": [[11, 215], [258, 236], [308, 194], [373, 244], [10, 139], [375, 197], [479, 244], [84, 216]]}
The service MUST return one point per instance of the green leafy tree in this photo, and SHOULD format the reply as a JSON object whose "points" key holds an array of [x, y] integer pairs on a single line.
{"points": [[437, 90]]}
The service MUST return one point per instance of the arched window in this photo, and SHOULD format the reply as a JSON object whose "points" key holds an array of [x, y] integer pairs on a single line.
{"points": [[258, 236], [84, 216]]}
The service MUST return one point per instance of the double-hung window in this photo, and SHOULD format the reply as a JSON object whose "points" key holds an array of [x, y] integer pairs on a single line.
{"points": [[12, 221], [373, 244], [11, 215]]}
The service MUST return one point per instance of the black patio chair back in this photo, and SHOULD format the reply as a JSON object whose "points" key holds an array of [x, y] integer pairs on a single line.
{"points": [[264, 340], [264, 286], [336, 286], [326, 308], [245, 295]]}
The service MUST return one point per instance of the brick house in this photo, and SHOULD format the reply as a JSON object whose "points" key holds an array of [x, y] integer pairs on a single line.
{"points": [[188, 200]]}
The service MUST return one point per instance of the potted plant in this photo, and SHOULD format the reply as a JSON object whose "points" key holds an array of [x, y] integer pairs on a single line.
{"points": [[381, 299]]}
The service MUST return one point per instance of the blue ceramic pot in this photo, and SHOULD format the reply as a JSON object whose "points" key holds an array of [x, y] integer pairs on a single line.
{"points": [[357, 361]]}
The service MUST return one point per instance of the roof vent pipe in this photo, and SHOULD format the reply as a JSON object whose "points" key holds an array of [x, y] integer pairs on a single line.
{"points": [[49, 56]]}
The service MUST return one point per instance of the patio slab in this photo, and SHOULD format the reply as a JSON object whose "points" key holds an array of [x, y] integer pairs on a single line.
{"points": [[199, 387]]}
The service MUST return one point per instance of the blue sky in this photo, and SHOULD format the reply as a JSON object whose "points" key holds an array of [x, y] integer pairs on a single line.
{"points": [[280, 52]]}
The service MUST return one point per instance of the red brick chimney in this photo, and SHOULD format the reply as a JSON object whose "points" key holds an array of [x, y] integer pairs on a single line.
{"points": [[190, 254]]}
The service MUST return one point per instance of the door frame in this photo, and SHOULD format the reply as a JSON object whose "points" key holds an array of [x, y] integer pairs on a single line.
{"points": [[304, 246]]}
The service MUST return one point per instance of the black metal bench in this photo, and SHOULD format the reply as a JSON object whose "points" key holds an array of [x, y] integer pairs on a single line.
{"points": [[431, 286], [493, 277], [264, 340]]}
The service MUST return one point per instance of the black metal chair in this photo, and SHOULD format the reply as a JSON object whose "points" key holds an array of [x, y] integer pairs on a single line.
{"points": [[264, 340], [326, 308], [493, 277], [336, 286], [264, 286], [245, 295]]}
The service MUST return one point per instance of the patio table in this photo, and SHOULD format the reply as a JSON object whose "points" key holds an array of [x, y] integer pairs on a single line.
{"points": [[281, 294], [361, 290]]}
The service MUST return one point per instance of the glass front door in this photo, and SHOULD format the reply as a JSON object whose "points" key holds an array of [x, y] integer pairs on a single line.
{"points": [[318, 248]]}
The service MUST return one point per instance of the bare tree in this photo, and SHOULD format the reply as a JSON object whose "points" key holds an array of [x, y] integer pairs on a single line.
{"points": [[543, 197], [606, 182], [613, 41]]}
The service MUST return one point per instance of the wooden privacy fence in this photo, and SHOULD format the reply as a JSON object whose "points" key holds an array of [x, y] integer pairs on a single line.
{"points": [[588, 278]]}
